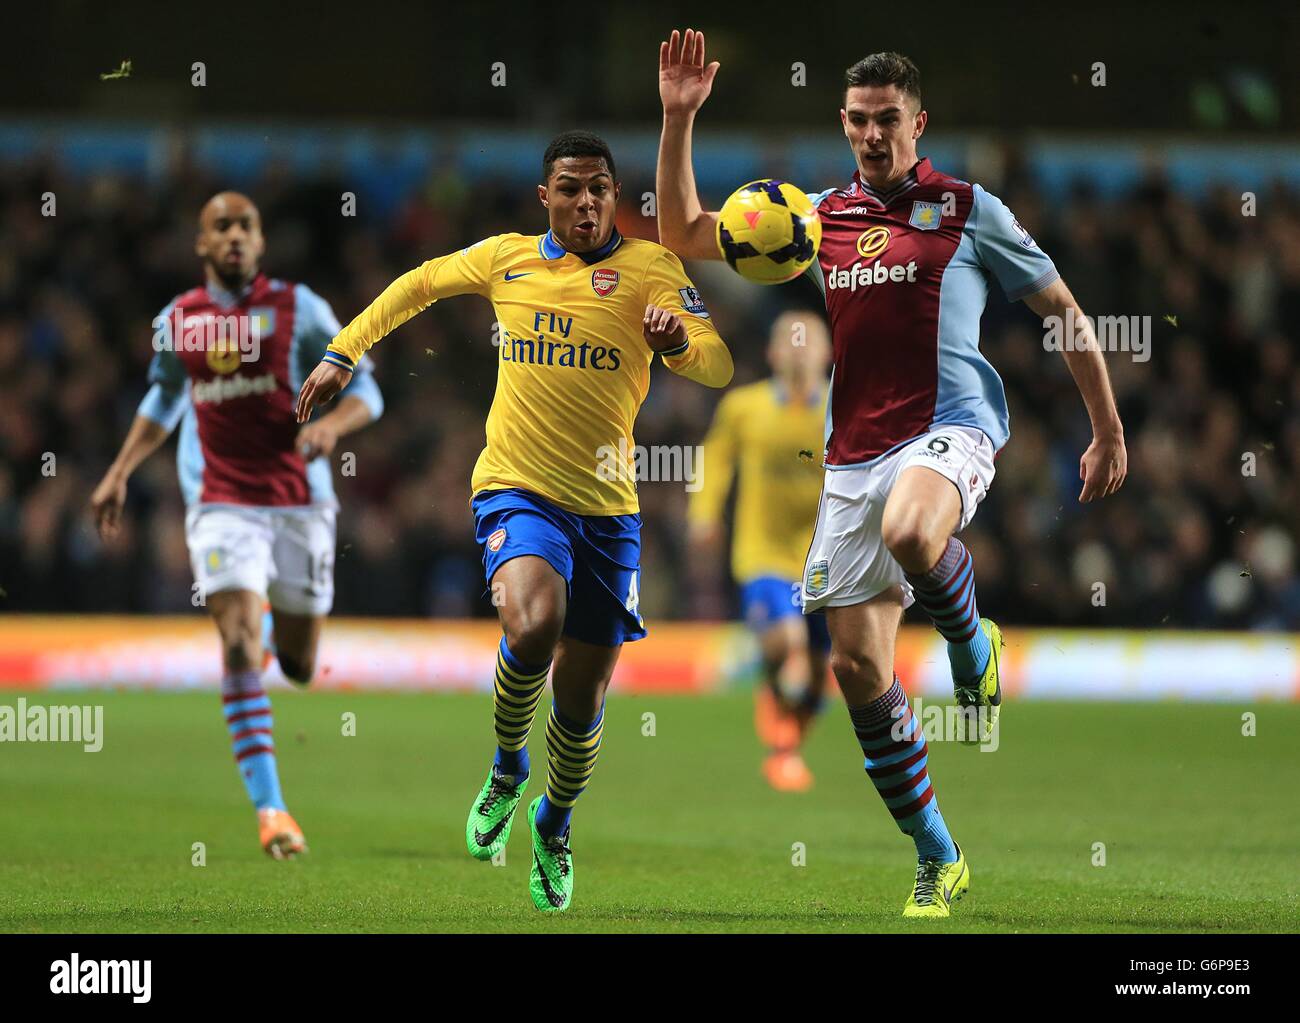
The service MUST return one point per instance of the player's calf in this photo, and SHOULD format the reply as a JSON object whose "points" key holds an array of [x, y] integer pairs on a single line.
{"points": [[297, 640], [946, 591], [300, 673]]}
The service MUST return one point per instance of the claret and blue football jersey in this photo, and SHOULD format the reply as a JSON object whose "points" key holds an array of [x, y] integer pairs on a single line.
{"points": [[905, 274]]}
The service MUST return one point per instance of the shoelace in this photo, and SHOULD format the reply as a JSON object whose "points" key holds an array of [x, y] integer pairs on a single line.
{"points": [[558, 848], [927, 880], [497, 790]]}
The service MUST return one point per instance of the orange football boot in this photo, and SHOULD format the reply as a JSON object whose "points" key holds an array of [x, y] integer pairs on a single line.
{"points": [[786, 772], [279, 834]]}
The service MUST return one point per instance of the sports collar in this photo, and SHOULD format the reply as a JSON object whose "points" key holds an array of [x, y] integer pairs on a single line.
{"points": [[220, 296], [552, 249], [919, 172], [816, 396]]}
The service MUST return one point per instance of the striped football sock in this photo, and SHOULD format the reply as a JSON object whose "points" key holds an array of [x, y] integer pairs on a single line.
{"points": [[896, 755], [515, 693], [947, 593], [248, 717], [571, 750]]}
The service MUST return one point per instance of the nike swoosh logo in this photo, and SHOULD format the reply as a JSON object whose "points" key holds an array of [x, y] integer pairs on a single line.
{"points": [[552, 896], [486, 839], [515, 277], [947, 892]]}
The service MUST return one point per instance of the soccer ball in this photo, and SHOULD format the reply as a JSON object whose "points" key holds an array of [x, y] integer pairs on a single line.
{"points": [[768, 231]]}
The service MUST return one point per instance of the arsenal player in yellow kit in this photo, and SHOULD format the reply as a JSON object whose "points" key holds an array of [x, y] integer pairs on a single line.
{"points": [[767, 438], [583, 313]]}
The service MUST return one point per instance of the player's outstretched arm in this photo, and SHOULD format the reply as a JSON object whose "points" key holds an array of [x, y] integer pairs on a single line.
{"points": [[460, 273], [685, 81], [142, 440], [1104, 465]]}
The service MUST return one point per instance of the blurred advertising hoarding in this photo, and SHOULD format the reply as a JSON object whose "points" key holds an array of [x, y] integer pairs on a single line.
{"points": [[39, 652]]}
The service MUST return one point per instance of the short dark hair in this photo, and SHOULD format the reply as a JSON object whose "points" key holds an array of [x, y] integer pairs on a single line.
{"points": [[576, 143], [886, 69]]}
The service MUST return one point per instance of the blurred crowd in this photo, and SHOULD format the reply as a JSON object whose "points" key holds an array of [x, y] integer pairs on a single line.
{"points": [[1202, 535]]}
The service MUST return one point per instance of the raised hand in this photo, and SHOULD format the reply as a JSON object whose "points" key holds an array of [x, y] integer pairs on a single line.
{"points": [[685, 81]]}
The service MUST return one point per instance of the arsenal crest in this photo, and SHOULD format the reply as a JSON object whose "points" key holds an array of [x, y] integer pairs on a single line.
{"points": [[495, 541], [603, 282]]}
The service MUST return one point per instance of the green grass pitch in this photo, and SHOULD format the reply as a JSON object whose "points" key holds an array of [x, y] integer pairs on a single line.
{"points": [[678, 831]]}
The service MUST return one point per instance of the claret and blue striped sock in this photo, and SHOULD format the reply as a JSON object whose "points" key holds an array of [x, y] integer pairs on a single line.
{"points": [[947, 593], [248, 717], [896, 753], [515, 693]]}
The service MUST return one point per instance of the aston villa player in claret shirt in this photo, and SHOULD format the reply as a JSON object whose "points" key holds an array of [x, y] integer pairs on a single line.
{"points": [[260, 506], [916, 413]]}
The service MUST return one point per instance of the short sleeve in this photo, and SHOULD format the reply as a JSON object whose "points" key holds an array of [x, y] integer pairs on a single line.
{"points": [[1007, 250], [168, 396]]}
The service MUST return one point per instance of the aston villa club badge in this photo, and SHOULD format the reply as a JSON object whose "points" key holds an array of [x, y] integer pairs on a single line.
{"points": [[604, 282], [926, 215]]}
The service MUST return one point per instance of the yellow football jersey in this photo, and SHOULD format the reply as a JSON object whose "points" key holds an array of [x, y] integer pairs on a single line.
{"points": [[775, 446], [573, 367]]}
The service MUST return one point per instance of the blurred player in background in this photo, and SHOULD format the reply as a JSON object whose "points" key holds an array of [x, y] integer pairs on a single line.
{"points": [[260, 520], [767, 437], [583, 313], [916, 413]]}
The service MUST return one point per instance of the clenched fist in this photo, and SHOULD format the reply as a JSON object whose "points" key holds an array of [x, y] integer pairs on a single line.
{"points": [[662, 330]]}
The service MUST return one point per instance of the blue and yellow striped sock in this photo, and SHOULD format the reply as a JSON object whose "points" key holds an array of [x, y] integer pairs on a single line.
{"points": [[896, 755], [571, 750], [248, 717], [515, 693], [947, 593]]}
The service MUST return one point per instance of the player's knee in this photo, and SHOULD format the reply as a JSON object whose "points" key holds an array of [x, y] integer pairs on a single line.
{"points": [[533, 628], [241, 641], [242, 650], [912, 539], [859, 676]]}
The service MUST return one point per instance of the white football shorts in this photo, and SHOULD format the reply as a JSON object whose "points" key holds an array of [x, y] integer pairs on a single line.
{"points": [[285, 554], [848, 562]]}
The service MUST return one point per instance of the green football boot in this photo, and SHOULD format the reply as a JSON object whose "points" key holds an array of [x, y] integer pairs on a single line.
{"points": [[937, 887], [550, 881], [488, 827], [983, 693]]}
